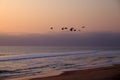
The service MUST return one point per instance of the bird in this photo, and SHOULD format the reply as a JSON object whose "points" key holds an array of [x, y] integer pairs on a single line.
{"points": [[75, 30], [51, 27], [62, 28], [71, 29], [83, 26], [66, 28]]}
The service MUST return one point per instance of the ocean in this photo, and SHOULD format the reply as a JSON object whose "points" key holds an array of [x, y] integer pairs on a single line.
{"points": [[25, 61]]}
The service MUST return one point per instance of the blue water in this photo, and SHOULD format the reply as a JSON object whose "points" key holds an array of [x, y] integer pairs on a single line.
{"points": [[24, 61]]}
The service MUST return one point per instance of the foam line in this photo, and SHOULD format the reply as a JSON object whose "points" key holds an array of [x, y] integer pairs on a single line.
{"points": [[25, 57]]}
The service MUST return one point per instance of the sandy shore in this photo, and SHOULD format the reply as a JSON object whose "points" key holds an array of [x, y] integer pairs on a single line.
{"points": [[105, 73]]}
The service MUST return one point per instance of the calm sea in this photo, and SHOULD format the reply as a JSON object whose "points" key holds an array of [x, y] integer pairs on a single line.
{"points": [[25, 61]]}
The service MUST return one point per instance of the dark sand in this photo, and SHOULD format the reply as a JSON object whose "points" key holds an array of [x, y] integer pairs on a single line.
{"points": [[105, 73]]}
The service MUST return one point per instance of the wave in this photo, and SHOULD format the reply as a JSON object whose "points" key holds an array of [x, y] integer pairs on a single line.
{"points": [[6, 71], [34, 56]]}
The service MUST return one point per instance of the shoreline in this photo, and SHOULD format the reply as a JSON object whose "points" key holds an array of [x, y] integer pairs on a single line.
{"points": [[102, 73]]}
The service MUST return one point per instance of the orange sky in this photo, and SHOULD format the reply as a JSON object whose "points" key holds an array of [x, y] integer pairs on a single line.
{"points": [[36, 16]]}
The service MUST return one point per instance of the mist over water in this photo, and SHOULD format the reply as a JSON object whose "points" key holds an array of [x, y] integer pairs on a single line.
{"points": [[63, 39]]}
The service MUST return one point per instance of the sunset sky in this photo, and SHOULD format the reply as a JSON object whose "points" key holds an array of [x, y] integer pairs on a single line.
{"points": [[36, 16], [28, 22]]}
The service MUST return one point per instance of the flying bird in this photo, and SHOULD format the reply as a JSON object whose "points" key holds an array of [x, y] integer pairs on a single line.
{"points": [[83, 26], [66, 28], [75, 30], [71, 29], [62, 28], [51, 28]]}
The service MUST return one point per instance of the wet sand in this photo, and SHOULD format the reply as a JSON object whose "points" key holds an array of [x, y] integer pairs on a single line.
{"points": [[104, 73]]}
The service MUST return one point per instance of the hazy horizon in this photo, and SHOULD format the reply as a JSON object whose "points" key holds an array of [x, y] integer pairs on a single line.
{"points": [[62, 39]]}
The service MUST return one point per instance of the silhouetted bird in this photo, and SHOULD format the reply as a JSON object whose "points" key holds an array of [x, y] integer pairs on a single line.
{"points": [[62, 28], [71, 29], [51, 27], [83, 26], [74, 29], [66, 28]]}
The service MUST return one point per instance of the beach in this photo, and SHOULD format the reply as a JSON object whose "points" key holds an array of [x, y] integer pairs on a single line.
{"points": [[103, 73], [50, 63]]}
